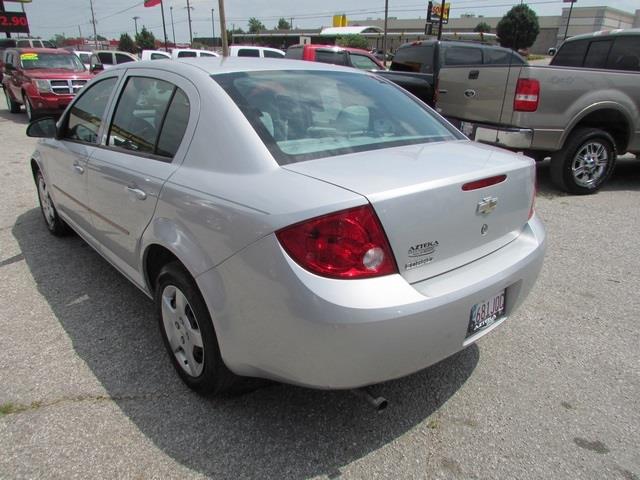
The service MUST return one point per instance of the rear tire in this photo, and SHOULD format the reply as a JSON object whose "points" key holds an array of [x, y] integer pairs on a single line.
{"points": [[188, 333], [12, 105], [585, 162], [54, 223]]}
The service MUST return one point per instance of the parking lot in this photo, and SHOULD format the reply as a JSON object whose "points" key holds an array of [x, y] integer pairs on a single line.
{"points": [[87, 391]]}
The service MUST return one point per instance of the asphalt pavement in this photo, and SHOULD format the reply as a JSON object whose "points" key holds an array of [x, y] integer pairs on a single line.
{"points": [[87, 390]]}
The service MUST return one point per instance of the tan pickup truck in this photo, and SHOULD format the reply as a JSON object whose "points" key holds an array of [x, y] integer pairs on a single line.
{"points": [[582, 111]]}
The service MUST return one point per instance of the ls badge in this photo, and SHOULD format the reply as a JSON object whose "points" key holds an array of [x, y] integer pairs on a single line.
{"points": [[487, 205]]}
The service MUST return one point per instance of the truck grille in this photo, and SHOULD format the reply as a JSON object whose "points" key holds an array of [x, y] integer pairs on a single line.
{"points": [[66, 87]]}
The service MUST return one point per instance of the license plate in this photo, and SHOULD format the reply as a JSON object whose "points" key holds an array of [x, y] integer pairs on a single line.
{"points": [[484, 314], [467, 128]]}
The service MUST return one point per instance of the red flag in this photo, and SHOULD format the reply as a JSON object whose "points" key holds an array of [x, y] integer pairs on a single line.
{"points": [[151, 3]]}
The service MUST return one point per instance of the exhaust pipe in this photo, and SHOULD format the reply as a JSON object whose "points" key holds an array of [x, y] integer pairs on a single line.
{"points": [[378, 403]]}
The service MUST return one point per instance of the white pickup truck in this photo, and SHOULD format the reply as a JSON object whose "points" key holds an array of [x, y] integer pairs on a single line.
{"points": [[582, 111]]}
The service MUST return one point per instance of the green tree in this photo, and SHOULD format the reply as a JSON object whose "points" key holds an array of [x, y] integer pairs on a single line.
{"points": [[283, 24], [483, 27], [353, 41], [145, 39], [519, 28], [127, 44], [58, 39], [255, 25]]}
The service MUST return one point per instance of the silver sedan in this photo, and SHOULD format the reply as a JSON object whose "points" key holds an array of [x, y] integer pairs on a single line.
{"points": [[294, 221]]}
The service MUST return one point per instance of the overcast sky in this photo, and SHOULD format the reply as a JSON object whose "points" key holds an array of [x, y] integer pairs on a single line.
{"points": [[48, 17]]}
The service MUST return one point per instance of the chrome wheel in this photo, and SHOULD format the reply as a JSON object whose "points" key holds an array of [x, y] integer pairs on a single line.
{"points": [[48, 210], [590, 164], [182, 330], [27, 107]]}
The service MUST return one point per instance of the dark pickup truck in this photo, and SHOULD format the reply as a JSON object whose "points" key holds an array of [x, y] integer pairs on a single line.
{"points": [[416, 66]]}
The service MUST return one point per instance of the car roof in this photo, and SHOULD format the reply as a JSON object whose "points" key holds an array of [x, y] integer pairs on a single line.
{"points": [[314, 46], [57, 51], [219, 65], [605, 33]]}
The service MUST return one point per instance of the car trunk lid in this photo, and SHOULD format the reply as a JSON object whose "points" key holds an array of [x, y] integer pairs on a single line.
{"points": [[432, 224]]}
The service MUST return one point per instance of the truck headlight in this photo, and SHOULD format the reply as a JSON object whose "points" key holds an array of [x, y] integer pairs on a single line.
{"points": [[43, 86]]}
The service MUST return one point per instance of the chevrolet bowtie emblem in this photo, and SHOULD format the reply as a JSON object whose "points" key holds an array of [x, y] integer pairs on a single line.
{"points": [[487, 205]]}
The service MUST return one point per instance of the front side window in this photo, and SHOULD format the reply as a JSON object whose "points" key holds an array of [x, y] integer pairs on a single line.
{"points": [[462, 56], [37, 60], [248, 52], [122, 58], [417, 59], [272, 54], [205, 54], [597, 54], [84, 57], [294, 53], [571, 54], [363, 62], [625, 54], [158, 56], [302, 115], [139, 115], [86, 114]]}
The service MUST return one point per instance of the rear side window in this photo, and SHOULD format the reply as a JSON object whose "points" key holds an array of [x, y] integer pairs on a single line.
{"points": [[174, 126], [140, 115], [571, 54], [328, 56], [187, 54], [597, 54], [86, 114], [248, 52], [625, 54], [462, 56], [48, 44], [120, 58], [158, 56], [105, 58], [272, 54], [205, 54], [494, 56], [294, 53], [417, 59]]}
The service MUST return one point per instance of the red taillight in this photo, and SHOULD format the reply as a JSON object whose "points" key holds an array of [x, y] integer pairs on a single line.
{"points": [[485, 182], [527, 95], [348, 244]]}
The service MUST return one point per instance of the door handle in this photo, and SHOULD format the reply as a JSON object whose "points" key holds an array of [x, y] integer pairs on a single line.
{"points": [[473, 74], [443, 90], [78, 168], [139, 194]]}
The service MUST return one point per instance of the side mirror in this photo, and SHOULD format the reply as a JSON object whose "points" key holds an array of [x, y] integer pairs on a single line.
{"points": [[8, 67], [42, 128], [96, 67]]}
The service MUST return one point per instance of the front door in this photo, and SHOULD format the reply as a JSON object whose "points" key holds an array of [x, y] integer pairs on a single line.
{"points": [[67, 158], [143, 147]]}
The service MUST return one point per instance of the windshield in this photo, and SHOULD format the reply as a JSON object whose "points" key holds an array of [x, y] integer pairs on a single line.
{"points": [[302, 115], [33, 60]]}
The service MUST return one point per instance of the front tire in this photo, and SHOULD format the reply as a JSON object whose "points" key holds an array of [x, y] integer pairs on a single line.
{"points": [[31, 113], [54, 223], [12, 105], [188, 333], [585, 162]]}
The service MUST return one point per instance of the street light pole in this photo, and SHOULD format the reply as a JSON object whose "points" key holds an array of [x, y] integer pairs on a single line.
{"points": [[566, 30], [93, 20], [135, 21], [173, 29], [223, 29], [189, 18], [213, 27], [384, 37]]}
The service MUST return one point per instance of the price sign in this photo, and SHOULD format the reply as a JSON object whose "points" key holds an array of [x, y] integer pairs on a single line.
{"points": [[14, 22]]}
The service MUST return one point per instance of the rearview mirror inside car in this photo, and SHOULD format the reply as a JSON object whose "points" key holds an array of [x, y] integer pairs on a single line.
{"points": [[42, 128]]}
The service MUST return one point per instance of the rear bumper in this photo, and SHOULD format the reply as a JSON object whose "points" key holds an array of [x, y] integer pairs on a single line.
{"points": [[276, 320]]}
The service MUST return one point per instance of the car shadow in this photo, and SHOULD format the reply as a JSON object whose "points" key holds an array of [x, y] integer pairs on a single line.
{"points": [[625, 177], [20, 118], [278, 431]]}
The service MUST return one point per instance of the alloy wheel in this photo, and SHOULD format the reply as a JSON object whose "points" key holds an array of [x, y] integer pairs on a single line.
{"points": [[46, 203], [590, 163]]}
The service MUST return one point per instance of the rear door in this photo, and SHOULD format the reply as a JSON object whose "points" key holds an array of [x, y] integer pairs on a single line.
{"points": [[473, 80], [142, 147]]}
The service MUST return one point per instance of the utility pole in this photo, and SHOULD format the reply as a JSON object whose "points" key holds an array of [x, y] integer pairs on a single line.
{"points": [[566, 30], [93, 21], [213, 27], [173, 29], [223, 29], [79, 38], [164, 26], [189, 18], [135, 21], [441, 18], [384, 37]]}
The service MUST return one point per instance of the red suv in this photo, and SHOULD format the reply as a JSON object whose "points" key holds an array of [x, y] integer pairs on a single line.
{"points": [[349, 57], [44, 80]]}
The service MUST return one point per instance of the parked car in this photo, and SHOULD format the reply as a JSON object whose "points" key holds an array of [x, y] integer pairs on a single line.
{"points": [[416, 66], [304, 238], [348, 57], [105, 59], [44, 80], [154, 55], [191, 52], [253, 51], [582, 111], [85, 57], [20, 43]]}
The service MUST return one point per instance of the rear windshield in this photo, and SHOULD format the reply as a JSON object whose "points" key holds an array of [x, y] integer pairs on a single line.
{"points": [[303, 115], [33, 60], [417, 59]]}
